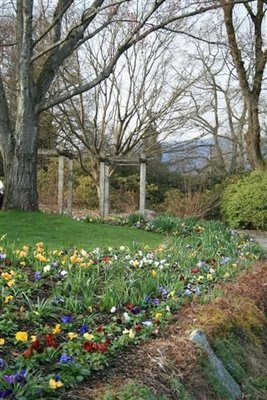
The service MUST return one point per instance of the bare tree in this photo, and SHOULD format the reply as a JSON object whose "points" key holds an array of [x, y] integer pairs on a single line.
{"points": [[134, 109], [250, 83], [40, 55]]}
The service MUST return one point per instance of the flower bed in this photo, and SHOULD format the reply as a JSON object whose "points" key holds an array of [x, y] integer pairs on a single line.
{"points": [[65, 313]]}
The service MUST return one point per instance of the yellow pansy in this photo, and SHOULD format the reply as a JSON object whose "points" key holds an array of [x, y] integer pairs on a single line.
{"points": [[57, 329], [171, 294], [88, 336], [136, 263], [158, 315], [33, 338], [2, 342], [22, 336], [90, 309], [22, 263], [209, 277], [8, 298], [7, 276], [55, 384], [72, 335], [41, 258], [154, 273], [226, 275], [11, 282]]}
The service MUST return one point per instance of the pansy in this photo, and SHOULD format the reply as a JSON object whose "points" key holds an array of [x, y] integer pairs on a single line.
{"points": [[55, 383], [2, 341], [67, 319], [147, 323], [158, 316], [57, 329], [126, 316], [41, 257], [2, 257], [5, 394], [72, 335], [19, 377], [83, 329], [129, 332], [113, 309], [50, 341], [47, 268], [11, 283], [156, 302], [22, 336], [65, 358], [2, 363], [7, 276], [37, 276], [88, 336], [8, 299]]}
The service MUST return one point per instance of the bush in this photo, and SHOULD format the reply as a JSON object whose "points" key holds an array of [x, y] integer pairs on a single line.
{"points": [[85, 194], [196, 204], [244, 203]]}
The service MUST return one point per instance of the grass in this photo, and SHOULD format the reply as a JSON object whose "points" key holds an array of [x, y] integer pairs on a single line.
{"points": [[28, 228]]}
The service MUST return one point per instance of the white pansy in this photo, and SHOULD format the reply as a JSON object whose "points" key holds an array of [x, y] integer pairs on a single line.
{"points": [[47, 268]]}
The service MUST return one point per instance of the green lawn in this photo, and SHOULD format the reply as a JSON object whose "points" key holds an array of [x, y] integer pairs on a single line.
{"points": [[57, 232]]}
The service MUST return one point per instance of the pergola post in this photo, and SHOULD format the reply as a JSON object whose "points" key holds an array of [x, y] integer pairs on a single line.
{"points": [[106, 193], [102, 188], [60, 190], [70, 186], [142, 197]]}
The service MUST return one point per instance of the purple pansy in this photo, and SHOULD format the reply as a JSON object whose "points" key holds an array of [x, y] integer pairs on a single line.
{"points": [[83, 329], [2, 363], [37, 276], [67, 319], [64, 359]]}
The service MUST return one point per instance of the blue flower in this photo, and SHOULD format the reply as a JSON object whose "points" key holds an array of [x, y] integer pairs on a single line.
{"points": [[83, 329], [64, 359], [5, 394], [2, 363], [147, 299], [135, 310], [164, 292], [156, 302], [37, 276], [67, 319]]}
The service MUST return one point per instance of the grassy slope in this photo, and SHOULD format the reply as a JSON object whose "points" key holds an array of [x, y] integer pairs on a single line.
{"points": [[57, 232]]}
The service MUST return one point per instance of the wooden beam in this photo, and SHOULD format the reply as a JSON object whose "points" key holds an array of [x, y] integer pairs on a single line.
{"points": [[70, 186], [60, 193]]}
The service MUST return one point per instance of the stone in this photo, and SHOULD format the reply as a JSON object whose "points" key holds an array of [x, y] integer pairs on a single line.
{"points": [[199, 337]]}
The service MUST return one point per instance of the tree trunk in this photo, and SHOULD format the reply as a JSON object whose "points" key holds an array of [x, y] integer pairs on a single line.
{"points": [[21, 163], [253, 136]]}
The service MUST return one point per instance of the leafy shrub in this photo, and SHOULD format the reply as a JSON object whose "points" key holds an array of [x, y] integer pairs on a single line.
{"points": [[135, 218], [244, 203], [85, 194]]}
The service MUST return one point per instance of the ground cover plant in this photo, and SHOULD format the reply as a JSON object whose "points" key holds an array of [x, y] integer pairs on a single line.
{"points": [[66, 313]]}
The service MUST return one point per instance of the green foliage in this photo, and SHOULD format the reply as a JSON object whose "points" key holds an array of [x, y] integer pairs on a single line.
{"points": [[180, 390], [85, 194], [132, 391], [214, 384], [135, 218], [244, 203]]}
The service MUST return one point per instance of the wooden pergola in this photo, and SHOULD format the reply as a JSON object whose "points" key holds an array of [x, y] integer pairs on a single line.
{"points": [[104, 175]]}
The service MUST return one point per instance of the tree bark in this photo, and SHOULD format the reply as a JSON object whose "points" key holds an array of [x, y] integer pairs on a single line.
{"points": [[20, 167]]}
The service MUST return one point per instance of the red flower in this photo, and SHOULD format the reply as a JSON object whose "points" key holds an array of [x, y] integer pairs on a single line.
{"points": [[50, 341], [137, 327], [106, 260], [100, 328], [87, 346], [195, 270], [27, 353], [102, 347], [130, 306]]}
